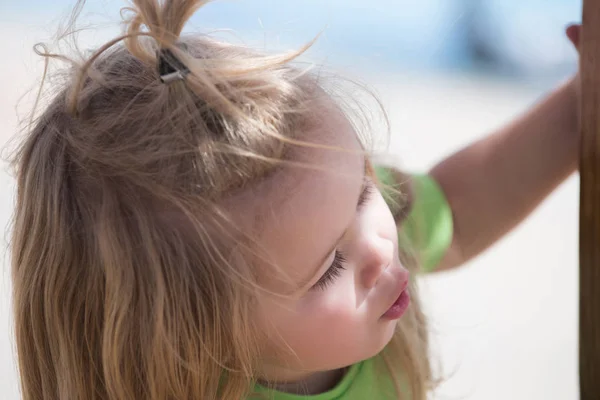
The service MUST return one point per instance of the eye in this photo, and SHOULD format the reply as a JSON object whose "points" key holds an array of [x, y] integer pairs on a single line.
{"points": [[366, 193], [333, 272]]}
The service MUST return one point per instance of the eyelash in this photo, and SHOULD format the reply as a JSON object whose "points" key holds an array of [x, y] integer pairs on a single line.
{"points": [[333, 272], [337, 266], [366, 193]]}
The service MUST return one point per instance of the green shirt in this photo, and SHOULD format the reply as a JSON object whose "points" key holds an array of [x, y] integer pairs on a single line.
{"points": [[428, 231], [357, 384]]}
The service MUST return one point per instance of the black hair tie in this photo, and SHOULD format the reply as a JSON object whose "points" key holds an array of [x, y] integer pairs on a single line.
{"points": [[170, 68]]}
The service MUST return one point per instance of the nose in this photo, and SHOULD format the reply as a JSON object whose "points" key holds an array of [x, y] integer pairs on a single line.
{"points": [[378, 254]]}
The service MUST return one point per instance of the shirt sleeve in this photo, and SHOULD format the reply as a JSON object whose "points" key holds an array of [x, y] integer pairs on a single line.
{"points": [[428, 228]]}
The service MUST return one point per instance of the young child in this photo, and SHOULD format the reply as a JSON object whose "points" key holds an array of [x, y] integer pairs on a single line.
{"points": [[195, 220]]}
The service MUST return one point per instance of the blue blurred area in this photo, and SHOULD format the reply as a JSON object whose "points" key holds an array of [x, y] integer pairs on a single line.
{"points": [[517, 38], [525, 36]]}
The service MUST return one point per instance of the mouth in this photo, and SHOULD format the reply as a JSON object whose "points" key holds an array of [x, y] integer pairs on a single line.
{"points": [[399, 307]]}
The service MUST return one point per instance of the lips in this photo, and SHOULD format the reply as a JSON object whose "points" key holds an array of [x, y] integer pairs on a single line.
{"points": [[399, 307], [400, 304]]}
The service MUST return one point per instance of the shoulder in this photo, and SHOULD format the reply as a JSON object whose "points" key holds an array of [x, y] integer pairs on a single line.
{"points": [[422, 213]]}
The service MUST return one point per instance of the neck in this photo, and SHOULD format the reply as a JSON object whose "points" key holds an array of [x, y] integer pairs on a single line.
{"points": [[304, 384]]}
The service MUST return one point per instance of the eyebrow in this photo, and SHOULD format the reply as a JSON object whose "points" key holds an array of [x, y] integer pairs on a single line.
{"points": [[366, 173]]}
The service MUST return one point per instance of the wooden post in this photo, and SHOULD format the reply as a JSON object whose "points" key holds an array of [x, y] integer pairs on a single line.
{"points": [[589, 217]]}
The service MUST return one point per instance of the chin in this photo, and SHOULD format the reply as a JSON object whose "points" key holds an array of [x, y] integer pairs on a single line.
{"points": [[390, 329], [385, 336]]}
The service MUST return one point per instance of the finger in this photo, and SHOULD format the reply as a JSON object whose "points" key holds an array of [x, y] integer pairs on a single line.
{"points": [[574, 34]]}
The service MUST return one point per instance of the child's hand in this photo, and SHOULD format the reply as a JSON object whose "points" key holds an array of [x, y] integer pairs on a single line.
{"points": [[574, 34]]}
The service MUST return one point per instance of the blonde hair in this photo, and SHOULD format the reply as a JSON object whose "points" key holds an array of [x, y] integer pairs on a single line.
{"points": [[124, 282]]}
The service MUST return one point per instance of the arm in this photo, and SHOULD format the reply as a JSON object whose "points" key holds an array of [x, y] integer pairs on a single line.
{"points": [[493, 184], [474, 197]]}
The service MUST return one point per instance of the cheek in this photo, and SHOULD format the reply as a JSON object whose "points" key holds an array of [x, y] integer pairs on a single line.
{"points": [[335, 308], [323, 320]]}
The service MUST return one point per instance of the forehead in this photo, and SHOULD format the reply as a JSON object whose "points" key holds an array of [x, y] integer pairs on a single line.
{"points": [[305, 210]]}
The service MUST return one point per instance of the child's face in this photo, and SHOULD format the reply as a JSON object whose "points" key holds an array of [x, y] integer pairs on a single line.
{"points": [[336, 315]]}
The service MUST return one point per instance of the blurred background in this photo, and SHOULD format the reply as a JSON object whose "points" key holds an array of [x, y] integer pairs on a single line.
{"points": [[449, 72]]}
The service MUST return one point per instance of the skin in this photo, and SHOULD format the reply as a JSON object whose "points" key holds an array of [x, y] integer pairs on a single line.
{"points": [[315, 331], [493, 184], [312, 334]]}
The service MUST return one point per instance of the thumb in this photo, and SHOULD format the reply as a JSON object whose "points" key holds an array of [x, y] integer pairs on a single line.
{"points": [[574, 34]]}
